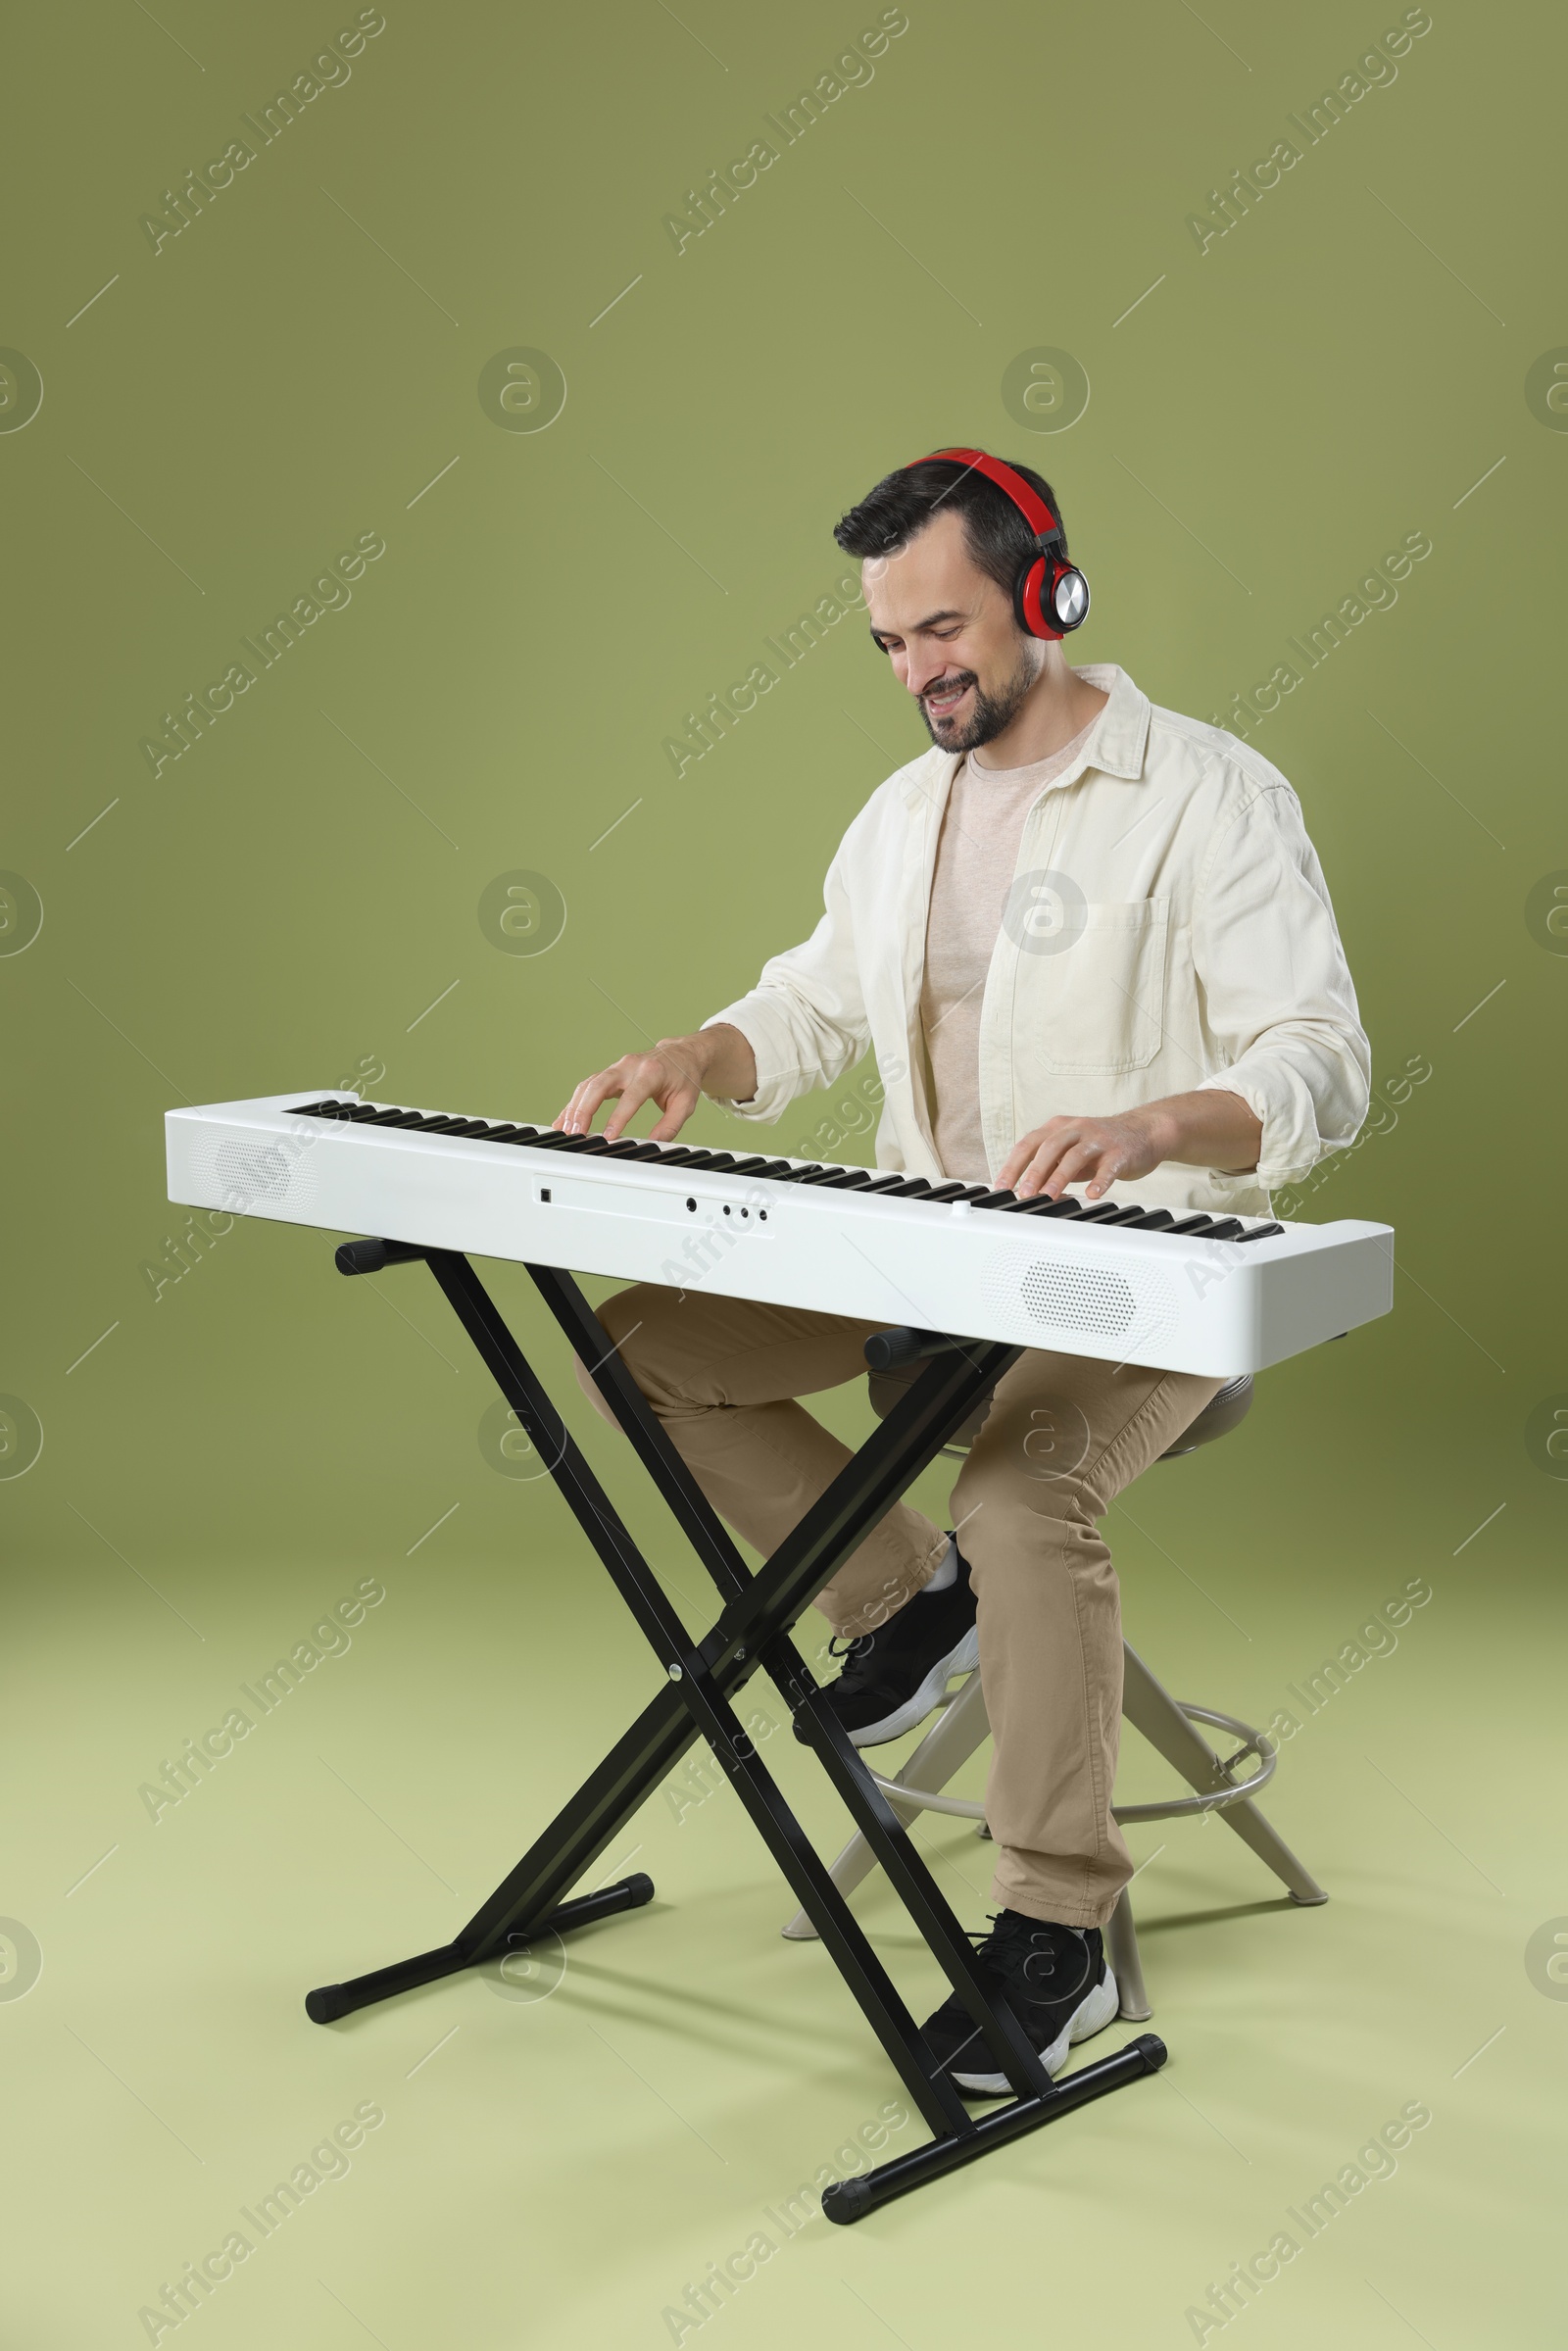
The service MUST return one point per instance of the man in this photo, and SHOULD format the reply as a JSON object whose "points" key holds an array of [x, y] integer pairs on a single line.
{"points": [[1091, 946]]}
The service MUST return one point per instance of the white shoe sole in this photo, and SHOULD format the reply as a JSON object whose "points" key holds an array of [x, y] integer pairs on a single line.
{"points": [[964, 1659], [1092, 2015]]}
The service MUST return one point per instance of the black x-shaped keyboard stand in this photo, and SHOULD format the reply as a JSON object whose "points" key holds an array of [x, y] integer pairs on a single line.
{"points": [[696, 1701]]}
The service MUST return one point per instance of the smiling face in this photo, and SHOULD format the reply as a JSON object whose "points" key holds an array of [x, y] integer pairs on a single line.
{"points": [[951, 636]]}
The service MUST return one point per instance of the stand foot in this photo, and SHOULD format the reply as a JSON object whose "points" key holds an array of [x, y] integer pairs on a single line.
{"points": [[330, 2001], [850, 2200]]}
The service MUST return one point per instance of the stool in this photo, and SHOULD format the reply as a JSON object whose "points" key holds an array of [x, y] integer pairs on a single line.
{"points": [[1166, 1723]]}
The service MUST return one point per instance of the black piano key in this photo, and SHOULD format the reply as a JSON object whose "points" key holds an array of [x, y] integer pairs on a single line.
{"points": [[723, 1161], [1043, 1205], [1098, 1211], [823, 1175], [439, 1123], [506, 1132], [306, 1109], [471, 1126], [1149, 1220], [886, 1182], [545, 1139], [1228, 1228], [850, 1178], [1124, 1215], [775, 1169], [1199, 1224], [697, 1157], [995, 1199], [798, 1175], [1262, 1232], [946, 1192], [910, 1188]]}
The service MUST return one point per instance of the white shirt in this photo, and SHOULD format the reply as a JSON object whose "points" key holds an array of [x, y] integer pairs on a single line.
{"points": [[1168, 928]]}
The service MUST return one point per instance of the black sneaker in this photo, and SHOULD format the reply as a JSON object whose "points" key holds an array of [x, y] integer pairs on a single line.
{"points": [[895, 1677], [1061, 1992]]}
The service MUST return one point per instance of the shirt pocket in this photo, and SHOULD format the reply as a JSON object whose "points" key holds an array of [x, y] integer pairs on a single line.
{"points": [[1098, 1003]]}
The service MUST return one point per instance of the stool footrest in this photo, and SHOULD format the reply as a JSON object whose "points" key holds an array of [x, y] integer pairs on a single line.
{"points": [[1253, 1743]]}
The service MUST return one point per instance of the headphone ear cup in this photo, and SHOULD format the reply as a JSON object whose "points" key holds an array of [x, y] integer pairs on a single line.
{"points": [[1068, 601], [1026, 605]]}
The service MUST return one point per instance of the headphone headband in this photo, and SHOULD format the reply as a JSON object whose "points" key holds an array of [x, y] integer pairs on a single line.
{"points": [[1033, 508]]}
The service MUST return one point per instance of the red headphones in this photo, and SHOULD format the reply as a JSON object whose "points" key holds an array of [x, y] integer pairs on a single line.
{"points": [[1050, 596]]}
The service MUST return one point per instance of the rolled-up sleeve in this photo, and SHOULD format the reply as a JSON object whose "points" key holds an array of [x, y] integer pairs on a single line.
{"points": [[1278, 998], [806, 1018]]}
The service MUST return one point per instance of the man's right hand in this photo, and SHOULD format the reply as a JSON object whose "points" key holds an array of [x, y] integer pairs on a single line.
{"points": [[674, 1074]]}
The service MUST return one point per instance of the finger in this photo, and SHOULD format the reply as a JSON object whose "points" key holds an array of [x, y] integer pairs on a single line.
{"points": [[1041, 1167], [1024, 1151], [564, 1118], [634, 1091], [677, 1110], [1107, 1170], [593, 1091], [1073, 1167]]}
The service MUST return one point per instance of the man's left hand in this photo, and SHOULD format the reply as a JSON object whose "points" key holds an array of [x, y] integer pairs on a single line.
{"points": [[1093, 1152], [1210, 1128]]}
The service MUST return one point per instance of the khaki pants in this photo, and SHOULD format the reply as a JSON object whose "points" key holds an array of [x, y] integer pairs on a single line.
{"points": [[1064, 1434]]}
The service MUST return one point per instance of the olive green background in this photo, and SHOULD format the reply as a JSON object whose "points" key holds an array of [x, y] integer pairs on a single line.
{"points": [[296, 902]]}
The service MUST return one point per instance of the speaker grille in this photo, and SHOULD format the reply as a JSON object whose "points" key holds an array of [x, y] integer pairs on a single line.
{"points": [[1066, 1295], [1078, 1297], [250, 1175]]}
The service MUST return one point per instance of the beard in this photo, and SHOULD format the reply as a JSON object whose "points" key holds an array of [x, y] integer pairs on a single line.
{"points": [[991, 712]]}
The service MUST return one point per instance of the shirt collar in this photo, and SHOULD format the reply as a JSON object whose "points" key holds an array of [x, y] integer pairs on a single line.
{"points": [[1121, 734]]}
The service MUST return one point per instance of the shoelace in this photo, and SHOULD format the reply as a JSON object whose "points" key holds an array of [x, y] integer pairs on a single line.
{"points": [[857, 1645], [1030, 1958]]}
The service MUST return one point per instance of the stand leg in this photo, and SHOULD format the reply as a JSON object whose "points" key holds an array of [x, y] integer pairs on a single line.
{"points": [[953, 1738], [1150, 1707], [1126, 1963]]}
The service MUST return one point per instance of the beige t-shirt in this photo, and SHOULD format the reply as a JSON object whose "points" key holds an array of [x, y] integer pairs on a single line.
{"points": [[977, 852]]}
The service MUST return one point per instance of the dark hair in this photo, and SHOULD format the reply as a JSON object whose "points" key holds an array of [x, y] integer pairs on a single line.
{"points": [[998, 538]]}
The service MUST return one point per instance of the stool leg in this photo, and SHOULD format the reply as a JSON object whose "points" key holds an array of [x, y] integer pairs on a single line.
{"points": [[953, 1738], [1150, 1707], [1126, 1965]]}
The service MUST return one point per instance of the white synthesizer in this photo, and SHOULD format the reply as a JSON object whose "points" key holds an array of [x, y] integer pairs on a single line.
{"points": [[1186, 1293]]}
